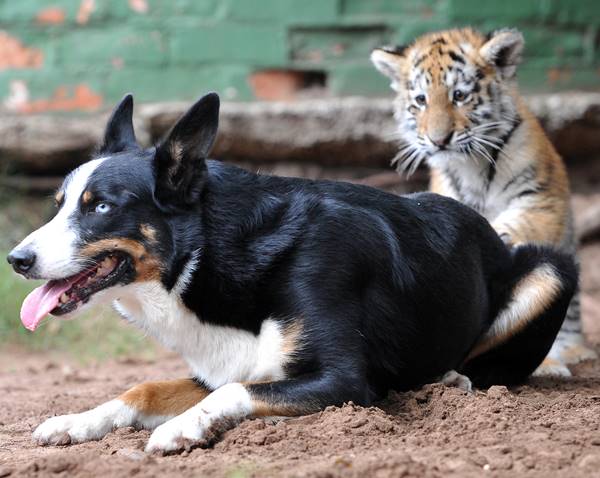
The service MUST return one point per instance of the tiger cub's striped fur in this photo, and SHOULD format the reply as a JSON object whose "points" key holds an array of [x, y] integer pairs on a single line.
{"points": [[459, 110]]}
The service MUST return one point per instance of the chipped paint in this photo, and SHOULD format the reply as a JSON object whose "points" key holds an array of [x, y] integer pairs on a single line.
{"points": [[50, 16], [86, 8], [15, 55], [82, 98]]}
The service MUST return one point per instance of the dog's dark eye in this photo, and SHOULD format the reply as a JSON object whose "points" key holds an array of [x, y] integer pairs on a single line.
{"points": [[459, 95], [102, 208], [420, 99]]}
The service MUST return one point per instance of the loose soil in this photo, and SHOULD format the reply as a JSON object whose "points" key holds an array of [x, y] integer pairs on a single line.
{"points": [[548, 427]]}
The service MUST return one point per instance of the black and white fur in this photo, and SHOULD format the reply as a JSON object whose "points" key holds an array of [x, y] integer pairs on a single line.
{"points": [[287, 295]]}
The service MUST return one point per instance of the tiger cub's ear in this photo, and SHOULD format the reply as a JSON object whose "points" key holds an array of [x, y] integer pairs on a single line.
{"points": [[389, 61], [503, 49]]}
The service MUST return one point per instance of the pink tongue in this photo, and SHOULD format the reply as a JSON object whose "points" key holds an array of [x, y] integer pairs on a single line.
{"points": [[42, 300]]}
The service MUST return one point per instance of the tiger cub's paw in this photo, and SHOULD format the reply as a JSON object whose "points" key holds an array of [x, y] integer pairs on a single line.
{"points": [[552, 368]]}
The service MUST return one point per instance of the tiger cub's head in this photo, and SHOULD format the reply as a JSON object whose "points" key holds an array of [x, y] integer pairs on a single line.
{"points": [[454, 93]]}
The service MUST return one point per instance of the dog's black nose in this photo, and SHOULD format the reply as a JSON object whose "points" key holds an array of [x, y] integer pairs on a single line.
{"points": [[22, 260]]}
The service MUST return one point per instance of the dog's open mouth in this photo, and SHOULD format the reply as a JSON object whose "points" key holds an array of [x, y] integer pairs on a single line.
{"points": [[59, 297]]}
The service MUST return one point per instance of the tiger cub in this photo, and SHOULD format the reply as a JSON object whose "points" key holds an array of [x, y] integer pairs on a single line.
{"points": [[459, 110]]}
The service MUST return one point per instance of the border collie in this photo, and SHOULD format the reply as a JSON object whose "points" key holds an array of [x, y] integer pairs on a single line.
{"points": [[284, 295]]}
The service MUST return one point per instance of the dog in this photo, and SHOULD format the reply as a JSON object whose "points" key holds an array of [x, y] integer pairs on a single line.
{"points": [[284, 295]]}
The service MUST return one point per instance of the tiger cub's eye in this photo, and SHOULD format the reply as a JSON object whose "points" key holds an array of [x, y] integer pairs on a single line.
{"points": [[459, 95], [420, 99]]}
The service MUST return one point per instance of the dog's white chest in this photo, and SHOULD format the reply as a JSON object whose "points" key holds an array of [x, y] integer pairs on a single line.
{"points": [[216, 354]]}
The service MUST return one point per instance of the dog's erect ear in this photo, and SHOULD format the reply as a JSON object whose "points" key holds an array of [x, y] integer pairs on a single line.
{"points": [[503, 49], [179, 164], [389, 61], [119, 135]]}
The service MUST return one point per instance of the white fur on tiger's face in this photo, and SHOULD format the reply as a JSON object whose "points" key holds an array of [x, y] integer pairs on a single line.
{"points": [[453, 95]]}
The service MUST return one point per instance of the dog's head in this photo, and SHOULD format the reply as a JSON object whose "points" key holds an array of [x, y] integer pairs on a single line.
{"points": [[117, 213]]}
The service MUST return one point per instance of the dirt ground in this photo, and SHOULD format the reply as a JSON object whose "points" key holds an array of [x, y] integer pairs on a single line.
{"points": [[545, 428]]}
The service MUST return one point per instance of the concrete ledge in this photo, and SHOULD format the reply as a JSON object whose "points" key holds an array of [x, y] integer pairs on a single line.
{"points": [[329, 132]]}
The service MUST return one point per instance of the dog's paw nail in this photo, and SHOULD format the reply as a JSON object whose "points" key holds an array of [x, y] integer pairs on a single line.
{"points": [[62, 440]]}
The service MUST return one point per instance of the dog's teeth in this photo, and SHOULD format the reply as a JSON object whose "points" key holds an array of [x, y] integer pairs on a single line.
{"points": [[106, 266], [64, 298]]}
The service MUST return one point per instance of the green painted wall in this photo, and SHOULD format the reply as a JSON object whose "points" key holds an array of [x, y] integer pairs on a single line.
{"points": [[81, 54]]}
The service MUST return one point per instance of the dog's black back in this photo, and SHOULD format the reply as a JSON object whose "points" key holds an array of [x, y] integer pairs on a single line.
{"points": [[398, 287]]}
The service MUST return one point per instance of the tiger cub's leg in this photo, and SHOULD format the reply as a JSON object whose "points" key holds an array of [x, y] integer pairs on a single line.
{"points": [[569, 346], [143, 406]]}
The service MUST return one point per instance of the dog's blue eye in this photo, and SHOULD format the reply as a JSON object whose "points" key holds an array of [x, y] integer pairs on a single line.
{"points": [[102, 207]]}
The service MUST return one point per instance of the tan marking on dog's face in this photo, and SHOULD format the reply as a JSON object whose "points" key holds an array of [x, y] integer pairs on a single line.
{"points": [[148, 267], [87, 197], [171, 397], [59, 197], [148, 232]]}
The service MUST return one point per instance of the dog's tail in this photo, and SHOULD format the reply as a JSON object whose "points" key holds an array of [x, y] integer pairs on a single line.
{"points": [[531, 310]]}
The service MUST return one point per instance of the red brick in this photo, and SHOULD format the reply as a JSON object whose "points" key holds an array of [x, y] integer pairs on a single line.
{"points": [[15, 55], [51, 16], [83, 98], [276, 84]]}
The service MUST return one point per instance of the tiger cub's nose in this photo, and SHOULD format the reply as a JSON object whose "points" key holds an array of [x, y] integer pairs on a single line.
{"points": [[441, 141]]}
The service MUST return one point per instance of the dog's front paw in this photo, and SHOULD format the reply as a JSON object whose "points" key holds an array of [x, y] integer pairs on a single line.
{"points": [[176, 435], [55, 431], [70, 429], [86, 426], [203, 423]]}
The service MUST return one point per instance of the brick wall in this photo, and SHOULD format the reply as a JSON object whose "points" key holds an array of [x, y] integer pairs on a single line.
{"points": [[84, 54]]}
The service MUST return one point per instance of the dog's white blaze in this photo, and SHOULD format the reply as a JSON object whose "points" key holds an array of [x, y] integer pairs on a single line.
{"points": [[216, 354], [229, 402], [54, 243]]}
